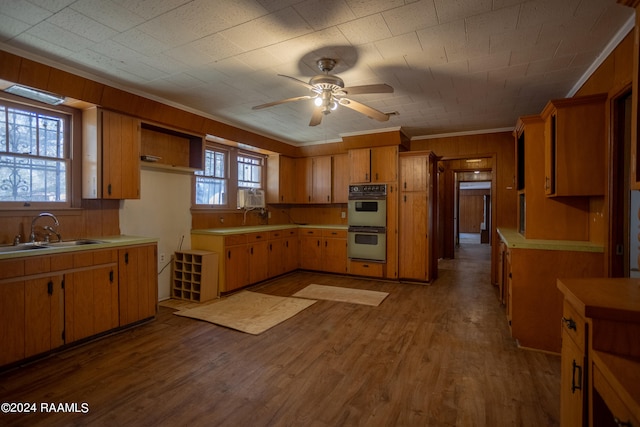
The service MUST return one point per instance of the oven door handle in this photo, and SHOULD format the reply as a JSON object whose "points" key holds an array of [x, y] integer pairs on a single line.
{"points": [[361, 229]]}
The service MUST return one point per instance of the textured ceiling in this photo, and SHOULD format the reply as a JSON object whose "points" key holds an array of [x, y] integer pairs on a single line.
{"points": [[455, 65]]}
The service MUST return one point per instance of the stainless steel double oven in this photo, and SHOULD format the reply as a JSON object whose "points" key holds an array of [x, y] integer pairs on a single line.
{"points": [[367, 210]]}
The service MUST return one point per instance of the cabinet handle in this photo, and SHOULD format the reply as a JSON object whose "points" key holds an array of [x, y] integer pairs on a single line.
{"points": [[126, 257], [229, 254], [575, 386], [50, 287], [376, 176], [571, 324], [318, 243], [325, 243], [405, 185], [111, 276], [328, 198], [271, 247], [366, 177], [251, 250], [109, 189], [546, 183]]}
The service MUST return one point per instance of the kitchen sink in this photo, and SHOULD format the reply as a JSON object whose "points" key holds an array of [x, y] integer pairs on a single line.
{"points": [[74, 243], [36, 246], [22, 247]]}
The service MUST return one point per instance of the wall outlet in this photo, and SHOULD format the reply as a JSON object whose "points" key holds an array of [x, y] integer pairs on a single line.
{"points": [[161, 258], [343, 215], [269, 214]]}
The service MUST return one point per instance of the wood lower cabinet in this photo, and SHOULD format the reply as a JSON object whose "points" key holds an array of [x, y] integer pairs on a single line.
{"points": [[235, 273], [574, 365], [283, 252], [91, 295], [44, 314], [47, 301], [334, 251], [137, 283], [310, 248], [258, 247]]}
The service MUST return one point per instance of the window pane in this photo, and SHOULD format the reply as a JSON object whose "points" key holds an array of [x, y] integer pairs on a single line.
{"points": [[32, 179], [249, 172], [211, 191]]}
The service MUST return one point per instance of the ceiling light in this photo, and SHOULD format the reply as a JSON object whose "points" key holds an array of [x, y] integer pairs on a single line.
{"points": [[318, 101], [36, 95]]}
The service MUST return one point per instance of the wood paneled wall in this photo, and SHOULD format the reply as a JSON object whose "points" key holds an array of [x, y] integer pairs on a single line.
{"points": [[471, 213]]}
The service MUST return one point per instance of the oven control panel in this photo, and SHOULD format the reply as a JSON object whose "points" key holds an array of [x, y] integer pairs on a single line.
{"points": [[368, 190]]}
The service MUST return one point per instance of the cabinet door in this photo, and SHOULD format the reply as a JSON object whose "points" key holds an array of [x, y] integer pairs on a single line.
{"points": [[44, 314], [384, 164], [291, 253], [413, 250], [572, 384], [12, 327], [236, 268], [120, 156], [360, 165], [137, 283], [340, 174], [321, 179], [276, 257], [258, 261], [311, 252], [334, 255], [304, 180], [91, 302], [413, 173], [281, 179]]}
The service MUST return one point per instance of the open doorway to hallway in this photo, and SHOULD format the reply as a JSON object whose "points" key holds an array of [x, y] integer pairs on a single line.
{"points": [[473, 208]]}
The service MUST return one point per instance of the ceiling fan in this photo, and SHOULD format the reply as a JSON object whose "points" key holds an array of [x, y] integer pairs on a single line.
{"points": [[329, 92]]}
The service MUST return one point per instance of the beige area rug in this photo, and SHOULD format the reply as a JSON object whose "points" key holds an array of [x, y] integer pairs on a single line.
{"points": [[335, 293], [249, 312]]}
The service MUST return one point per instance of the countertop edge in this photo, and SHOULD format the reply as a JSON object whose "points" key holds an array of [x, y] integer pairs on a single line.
{"points": [[515, 240], [258, 228]]}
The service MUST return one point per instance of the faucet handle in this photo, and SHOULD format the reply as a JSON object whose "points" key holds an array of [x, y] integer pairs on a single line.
{"points": [[16, 240]]}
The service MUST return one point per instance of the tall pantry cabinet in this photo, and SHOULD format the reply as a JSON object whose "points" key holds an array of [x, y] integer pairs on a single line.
{"points": [[417, 252]]}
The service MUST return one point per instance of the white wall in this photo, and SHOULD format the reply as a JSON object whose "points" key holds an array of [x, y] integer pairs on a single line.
{"points": [[162, 212]]}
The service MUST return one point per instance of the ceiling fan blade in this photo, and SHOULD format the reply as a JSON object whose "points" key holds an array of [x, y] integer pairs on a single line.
{"points": [[316, 117], [282, 101], [300, 82], [377, 88], [364, 109]]}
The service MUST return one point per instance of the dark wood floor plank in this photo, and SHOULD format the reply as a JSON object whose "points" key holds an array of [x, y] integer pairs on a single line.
{"points": [[434, 355]]}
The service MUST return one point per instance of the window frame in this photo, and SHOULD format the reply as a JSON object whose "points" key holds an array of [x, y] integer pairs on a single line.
{"points": [[232, 177], [73, 147]]}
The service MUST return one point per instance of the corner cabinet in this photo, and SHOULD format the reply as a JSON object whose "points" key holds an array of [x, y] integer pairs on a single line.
{"points": [[575, 146], [417, 254], [110, 155]]}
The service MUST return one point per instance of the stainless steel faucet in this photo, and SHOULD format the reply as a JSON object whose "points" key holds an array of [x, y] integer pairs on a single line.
{"points": [[32, 236]]}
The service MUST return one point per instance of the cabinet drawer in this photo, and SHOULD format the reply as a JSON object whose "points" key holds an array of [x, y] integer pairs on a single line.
{"points": [[371, 269], [574, 324], [235, 239], [278, 234], [257, 237], [338, 234], [310, 232], [11, 268]]}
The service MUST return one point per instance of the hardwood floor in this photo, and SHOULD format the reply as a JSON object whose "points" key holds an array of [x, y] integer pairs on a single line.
{"points": [[436, 355]]}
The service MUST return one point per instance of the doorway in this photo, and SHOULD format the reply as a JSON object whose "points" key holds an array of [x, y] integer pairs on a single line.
{"points": [[473, 210]]}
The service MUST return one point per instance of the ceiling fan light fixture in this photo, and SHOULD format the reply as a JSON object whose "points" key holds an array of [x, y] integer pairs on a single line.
{"points": [[317, 101], [334, 105]]}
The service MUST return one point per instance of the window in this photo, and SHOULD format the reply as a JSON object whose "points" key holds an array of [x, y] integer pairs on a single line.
{"points": [[34, 155], [249, 171], [211, 182], [226, 169]]}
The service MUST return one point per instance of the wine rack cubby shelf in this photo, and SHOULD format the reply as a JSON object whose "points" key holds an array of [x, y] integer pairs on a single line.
{"points": [[195, 276]]}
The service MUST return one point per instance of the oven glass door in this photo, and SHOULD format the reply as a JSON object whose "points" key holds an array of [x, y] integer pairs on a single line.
{"points": [[369, 245], [367, 213]]}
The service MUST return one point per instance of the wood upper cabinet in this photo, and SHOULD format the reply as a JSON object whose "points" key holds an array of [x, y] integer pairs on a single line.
{"points": [[137, 283], [340, 191], [281, 179], [379, 164], [575, 146], [321, 179], [111, 155]]}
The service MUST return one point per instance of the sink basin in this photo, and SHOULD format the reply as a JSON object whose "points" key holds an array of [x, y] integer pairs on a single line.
{"points": [[35, 246], [22, 247], [74, 243]]}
